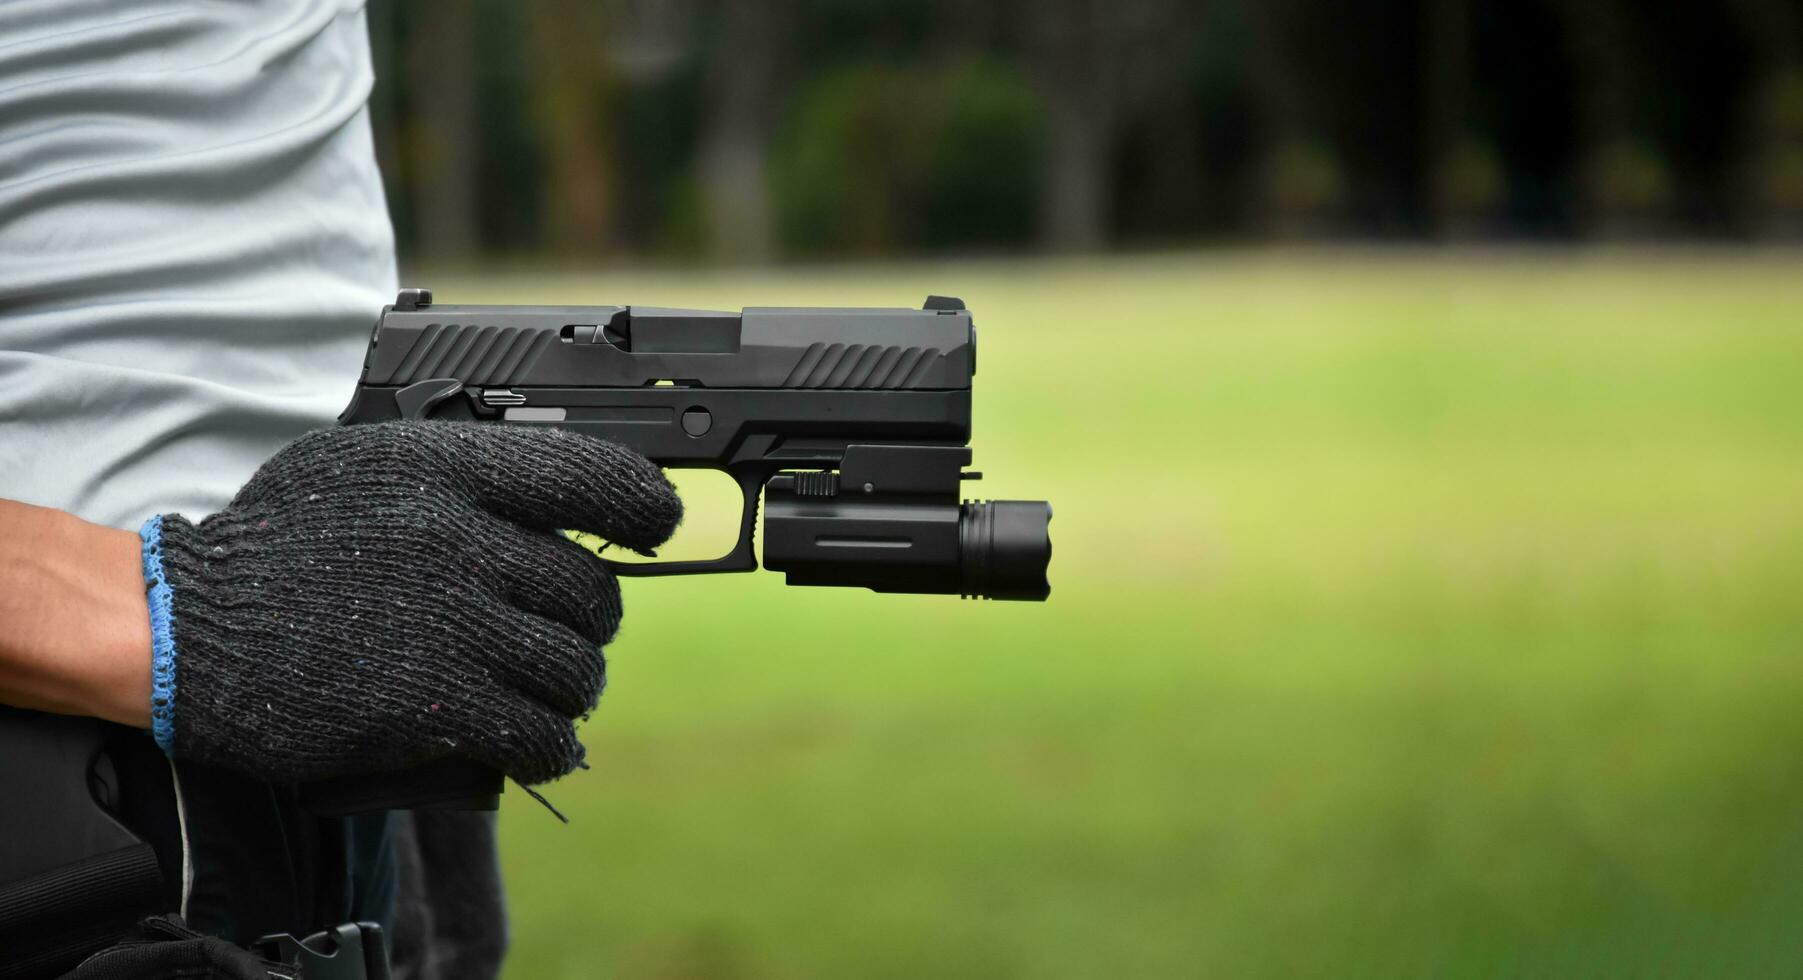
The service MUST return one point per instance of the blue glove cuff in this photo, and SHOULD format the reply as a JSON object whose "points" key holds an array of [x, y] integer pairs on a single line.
{"points": [[162, 636]]}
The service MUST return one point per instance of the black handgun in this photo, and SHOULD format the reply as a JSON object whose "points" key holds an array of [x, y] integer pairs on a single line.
{"points": [[852, 425]]}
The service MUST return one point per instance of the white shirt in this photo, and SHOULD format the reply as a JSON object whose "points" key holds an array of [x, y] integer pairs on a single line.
{"points": [[193, 244]]}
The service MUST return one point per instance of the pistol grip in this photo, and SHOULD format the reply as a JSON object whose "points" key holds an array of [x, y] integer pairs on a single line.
{"points": [[448, 784]]}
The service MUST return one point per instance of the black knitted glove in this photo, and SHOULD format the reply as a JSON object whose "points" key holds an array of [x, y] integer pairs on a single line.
{"points": [[378, 596], [163, 947]]}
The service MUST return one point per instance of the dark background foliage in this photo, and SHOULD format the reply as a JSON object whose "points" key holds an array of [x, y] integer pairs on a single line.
{"points": [[809, 128]]}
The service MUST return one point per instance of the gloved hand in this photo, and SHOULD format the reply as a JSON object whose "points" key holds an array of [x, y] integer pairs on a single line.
{"points": [[162, 947], [378, 596]]}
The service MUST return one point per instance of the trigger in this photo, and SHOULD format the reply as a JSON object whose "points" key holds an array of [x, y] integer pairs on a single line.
{"points": [[595, 544]]}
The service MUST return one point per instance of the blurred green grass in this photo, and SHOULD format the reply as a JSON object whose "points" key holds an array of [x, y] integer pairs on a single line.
{"points": [[1414, 614]]}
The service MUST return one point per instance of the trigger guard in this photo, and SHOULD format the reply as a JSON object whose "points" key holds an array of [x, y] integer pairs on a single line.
{"points": [[742, 558]]}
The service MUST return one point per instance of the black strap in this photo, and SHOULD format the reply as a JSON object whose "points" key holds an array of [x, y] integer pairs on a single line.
{"points": [[51, 920]]}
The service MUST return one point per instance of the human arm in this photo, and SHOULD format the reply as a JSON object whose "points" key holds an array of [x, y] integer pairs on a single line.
{"points": [[74, 629], [375, 597]]}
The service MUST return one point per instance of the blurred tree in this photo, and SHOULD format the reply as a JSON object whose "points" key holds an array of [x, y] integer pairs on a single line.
{"points": [[1445, 78], [441, 60], [1468, 185], [1158, 189], [1300, 190], [647, 41], [655, 49], [742, 90], [848, 157], [1229, 125], [1629, 189], [574, 88], [1469, 189], [1694, 73], [717, 128], [1522, 77], [1304, 191], [658, 135], [510, 155], [1771, 180], [1625, 181], [1093, 59], [984, 165], [1778, 167], [874, 159]]}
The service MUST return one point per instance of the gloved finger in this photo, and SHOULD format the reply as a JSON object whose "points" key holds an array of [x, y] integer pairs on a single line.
{"points": [[534, 743], [165, 946], [548, 663], [547, 574], [553, 479]]}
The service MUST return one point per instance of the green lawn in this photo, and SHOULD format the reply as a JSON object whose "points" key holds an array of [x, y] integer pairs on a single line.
{"points": [[1413, 615]]}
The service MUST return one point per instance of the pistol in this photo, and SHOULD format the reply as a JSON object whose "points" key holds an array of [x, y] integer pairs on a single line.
{"points": [[850, 425]]}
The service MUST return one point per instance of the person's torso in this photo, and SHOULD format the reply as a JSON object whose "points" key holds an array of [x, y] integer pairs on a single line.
{"points": [[193, 244]]}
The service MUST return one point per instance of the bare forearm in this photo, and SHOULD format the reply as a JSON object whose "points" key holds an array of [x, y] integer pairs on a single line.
{"points": [[74, 627]]}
